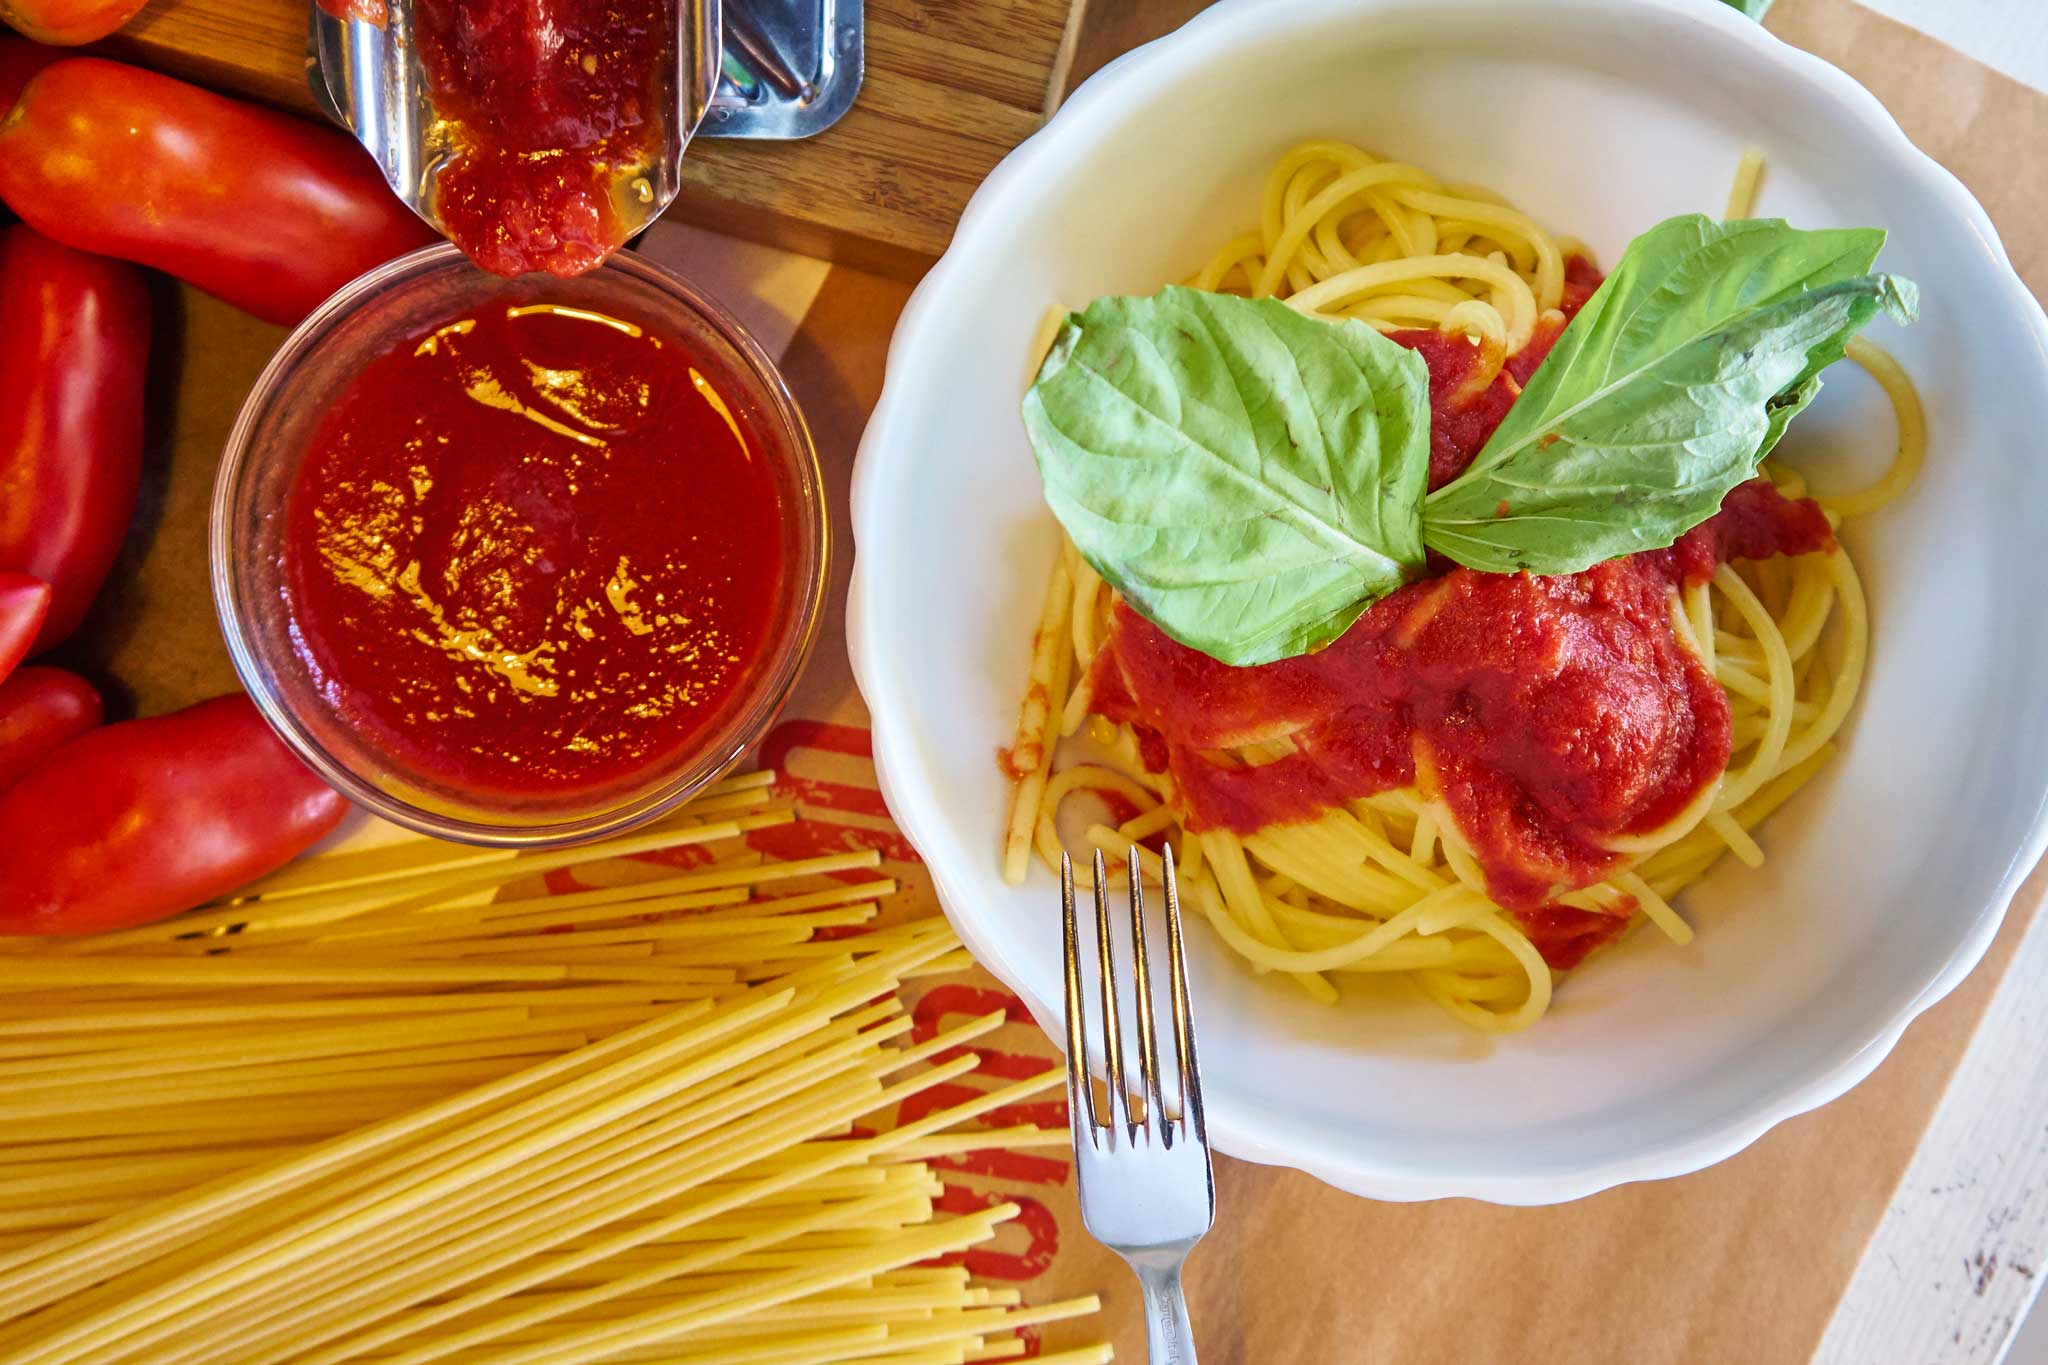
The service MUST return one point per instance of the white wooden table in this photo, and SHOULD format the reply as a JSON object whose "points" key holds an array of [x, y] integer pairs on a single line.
{"points": [[1956, 1265]]}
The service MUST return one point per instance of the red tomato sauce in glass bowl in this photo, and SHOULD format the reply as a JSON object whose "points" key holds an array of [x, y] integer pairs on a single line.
{"points": [[533, 550], [519, 562]]}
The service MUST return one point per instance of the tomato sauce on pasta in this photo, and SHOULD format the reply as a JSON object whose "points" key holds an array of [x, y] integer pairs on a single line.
{"points": [[1548, 713], [1489, 775]]}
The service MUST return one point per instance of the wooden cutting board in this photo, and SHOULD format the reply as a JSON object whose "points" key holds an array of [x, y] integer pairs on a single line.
{"points": [[951, 85]]}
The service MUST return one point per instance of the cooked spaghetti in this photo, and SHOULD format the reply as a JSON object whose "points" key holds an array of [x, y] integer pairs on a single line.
{"points": [[1314, 850]]}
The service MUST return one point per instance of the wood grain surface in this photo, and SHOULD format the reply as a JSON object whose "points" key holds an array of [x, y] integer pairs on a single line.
{"points": [[951, 85]]}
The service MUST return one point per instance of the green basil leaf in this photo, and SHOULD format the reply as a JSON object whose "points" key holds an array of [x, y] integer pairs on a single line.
{"points": [[1249, 478], [1665, 392], [1752, 8]]}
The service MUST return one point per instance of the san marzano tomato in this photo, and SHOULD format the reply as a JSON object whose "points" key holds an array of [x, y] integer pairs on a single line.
{"points": [[69, 21], [41, 708], [74, 334], [24, 602], [133, 822], [264, 210]]}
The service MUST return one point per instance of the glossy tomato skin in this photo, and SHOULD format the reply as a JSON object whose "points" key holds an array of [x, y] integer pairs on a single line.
{"points": [[134, 822], [40, 709], [19, 60], [69, 22], [74, 337], [24, 603], [263, 210]]}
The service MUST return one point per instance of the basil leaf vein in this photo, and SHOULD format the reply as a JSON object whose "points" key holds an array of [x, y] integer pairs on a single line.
{"points": [[1249, 478], [1667, 389]]}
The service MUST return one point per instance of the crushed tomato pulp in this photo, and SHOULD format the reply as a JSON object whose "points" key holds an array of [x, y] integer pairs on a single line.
{"points": [[552, 109], [534, 550], [1548, 713]]}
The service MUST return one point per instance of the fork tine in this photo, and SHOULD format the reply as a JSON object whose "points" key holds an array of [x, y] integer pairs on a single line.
{"points": [[1112, 1020], [1080, 1096], [1183, 1024], [1141, 973]]}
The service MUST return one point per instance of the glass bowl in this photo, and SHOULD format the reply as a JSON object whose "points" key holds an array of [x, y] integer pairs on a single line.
{"points": [[249, 524]]}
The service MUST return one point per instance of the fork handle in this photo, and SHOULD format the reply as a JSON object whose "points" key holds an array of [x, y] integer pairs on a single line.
{"points": [[1167, 1336]]}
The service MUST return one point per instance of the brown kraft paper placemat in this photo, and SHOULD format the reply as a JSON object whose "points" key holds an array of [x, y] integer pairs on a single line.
{"points": [[1744, 1261]]}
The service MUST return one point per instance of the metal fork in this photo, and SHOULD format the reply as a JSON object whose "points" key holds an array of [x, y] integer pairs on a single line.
{"points": [[1146, 1189]]}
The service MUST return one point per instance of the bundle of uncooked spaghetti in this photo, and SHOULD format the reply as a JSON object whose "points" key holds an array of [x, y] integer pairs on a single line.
{"points": [[391, 1106]]}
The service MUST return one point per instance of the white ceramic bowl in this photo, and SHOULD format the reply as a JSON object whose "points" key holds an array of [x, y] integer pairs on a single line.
{"points": [[1887, 876]]}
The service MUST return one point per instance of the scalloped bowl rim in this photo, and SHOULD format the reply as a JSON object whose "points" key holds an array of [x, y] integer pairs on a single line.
{"points": [[882, 686]]}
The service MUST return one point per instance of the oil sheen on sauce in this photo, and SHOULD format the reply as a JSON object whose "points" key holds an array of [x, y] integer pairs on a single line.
{"points": [[533, 550]]}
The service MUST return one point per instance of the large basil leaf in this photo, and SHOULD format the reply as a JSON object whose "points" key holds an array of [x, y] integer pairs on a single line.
{"points": [[1249, 478], [1753, 8], [1665, 391]]}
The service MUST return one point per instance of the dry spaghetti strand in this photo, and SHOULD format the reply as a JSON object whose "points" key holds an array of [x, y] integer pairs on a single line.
{"points": [[374, 1112]]}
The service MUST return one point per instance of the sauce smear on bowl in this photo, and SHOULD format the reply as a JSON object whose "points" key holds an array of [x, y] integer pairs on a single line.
{"points": [[534, 550]]}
